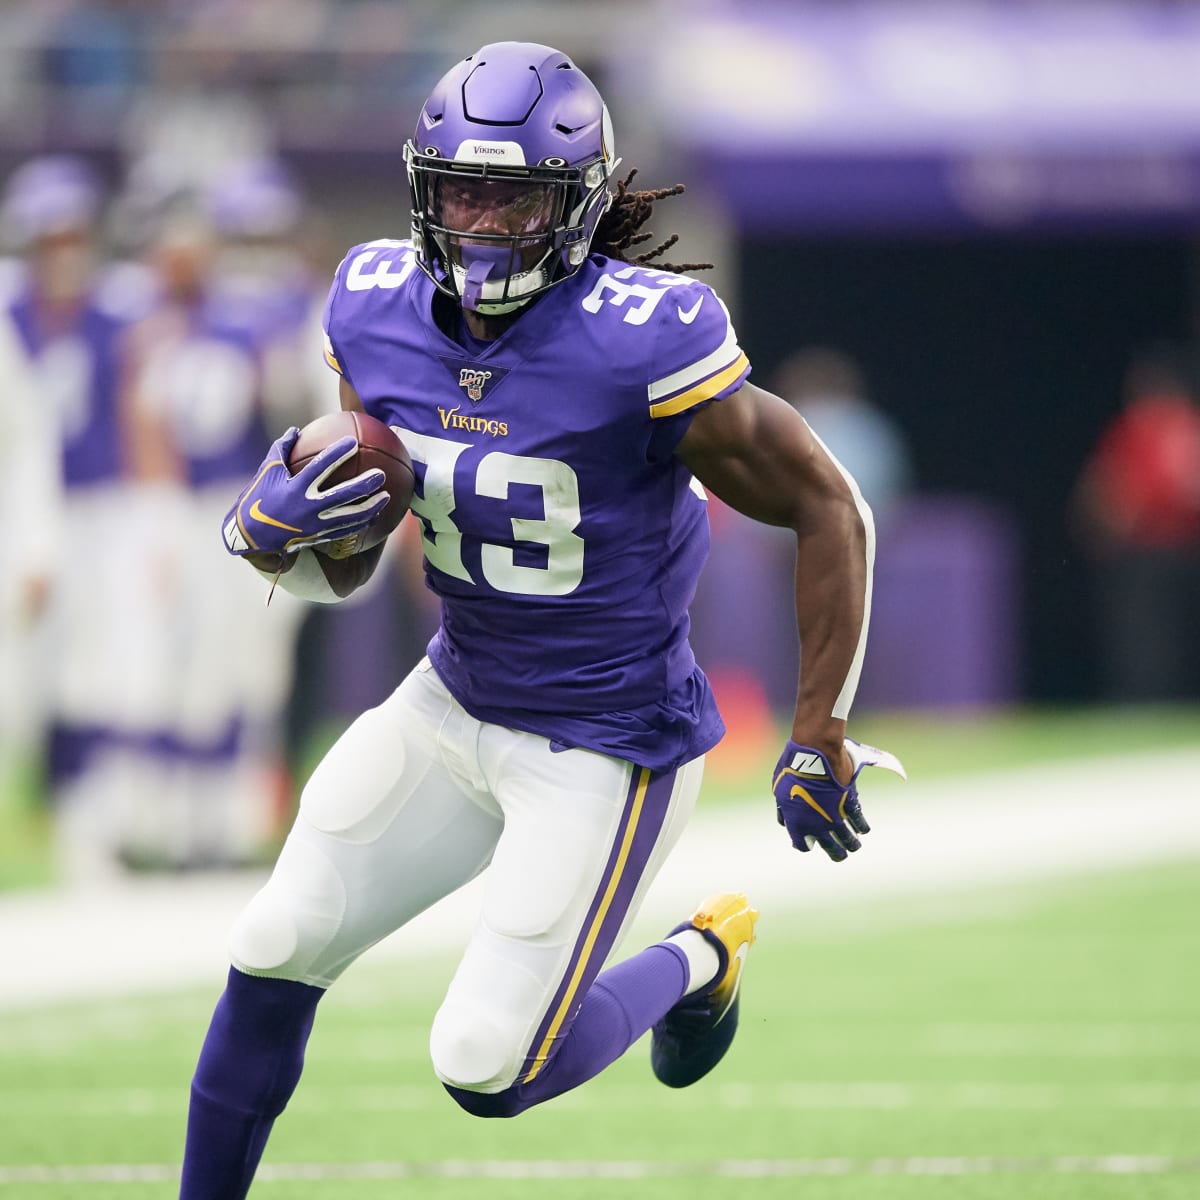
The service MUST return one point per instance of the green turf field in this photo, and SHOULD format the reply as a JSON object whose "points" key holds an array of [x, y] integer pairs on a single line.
{"points": [[1040, 1044]]}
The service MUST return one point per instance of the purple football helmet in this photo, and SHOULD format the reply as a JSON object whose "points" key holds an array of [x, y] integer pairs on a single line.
{"points": [[258, 199], [508, 170], [57, 193]]}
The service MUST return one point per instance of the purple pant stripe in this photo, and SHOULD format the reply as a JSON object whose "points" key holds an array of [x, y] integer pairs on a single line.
{"points": [[637, 833]]}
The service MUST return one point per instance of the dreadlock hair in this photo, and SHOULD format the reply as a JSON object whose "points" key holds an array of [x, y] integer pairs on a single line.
{"points": [[618, 229]]}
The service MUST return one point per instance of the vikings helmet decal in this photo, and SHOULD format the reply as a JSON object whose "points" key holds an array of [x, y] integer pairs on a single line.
{"points": [[508, 171]]}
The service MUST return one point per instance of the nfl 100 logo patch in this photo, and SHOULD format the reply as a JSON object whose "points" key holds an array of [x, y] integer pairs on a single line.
{"points": [[476, 380], [473, 380]]}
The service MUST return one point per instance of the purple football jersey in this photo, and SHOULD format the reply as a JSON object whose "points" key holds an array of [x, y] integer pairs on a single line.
{"points": [[78, 371], [561, 533], [202, 368], [221, 425]]}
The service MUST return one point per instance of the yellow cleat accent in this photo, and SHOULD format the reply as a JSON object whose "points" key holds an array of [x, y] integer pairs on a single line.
{"points": [[693, 1036], [729, 918]]}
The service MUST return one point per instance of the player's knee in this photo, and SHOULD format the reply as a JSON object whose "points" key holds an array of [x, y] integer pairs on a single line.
{"points": [[473, 1051], [287, 925]]}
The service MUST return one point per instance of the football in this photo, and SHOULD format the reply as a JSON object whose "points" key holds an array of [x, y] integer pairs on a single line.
{"points": [[378, 446]]}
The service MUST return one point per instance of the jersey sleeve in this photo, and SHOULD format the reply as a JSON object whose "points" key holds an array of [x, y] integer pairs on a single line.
{"points": [[359, 298], [697, 360], [333, 358]]}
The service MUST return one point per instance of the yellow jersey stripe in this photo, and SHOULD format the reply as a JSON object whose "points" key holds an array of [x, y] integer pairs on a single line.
{"points": [[696, 372], [702, 391], [330, 357], [594, 932]]}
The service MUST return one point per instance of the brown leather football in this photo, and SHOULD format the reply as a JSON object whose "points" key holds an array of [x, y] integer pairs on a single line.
{"points": [[378, 446]]}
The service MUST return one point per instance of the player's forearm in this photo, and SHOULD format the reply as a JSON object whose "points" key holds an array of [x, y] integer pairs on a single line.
{"points": [[834, 563]]}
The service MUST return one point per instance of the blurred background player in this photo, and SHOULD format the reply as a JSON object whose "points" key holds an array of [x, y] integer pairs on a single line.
{"points": [[261, 275], [30, 484], [828, 389], [213, 369], [1137, 508], [101, 675]]}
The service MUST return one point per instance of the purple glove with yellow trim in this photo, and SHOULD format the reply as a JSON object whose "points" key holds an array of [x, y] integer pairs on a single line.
{"points": [[280, 513], [814, 807]]}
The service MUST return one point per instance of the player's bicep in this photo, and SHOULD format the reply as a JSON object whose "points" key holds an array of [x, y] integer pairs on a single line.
{"points": [[758, 454]]}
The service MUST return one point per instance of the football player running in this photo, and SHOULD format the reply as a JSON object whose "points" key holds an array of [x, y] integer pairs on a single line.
{"points": [[563, 404]]}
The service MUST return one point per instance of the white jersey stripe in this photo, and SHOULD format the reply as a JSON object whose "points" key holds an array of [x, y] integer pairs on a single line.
{"points": [[687, 377], [702, 391]]}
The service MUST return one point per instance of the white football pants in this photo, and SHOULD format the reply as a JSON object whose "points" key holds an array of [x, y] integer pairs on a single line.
{"points": [[413, 801]]}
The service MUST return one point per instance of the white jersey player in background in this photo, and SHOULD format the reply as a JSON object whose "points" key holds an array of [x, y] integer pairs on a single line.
{"points": [[31, 486]]}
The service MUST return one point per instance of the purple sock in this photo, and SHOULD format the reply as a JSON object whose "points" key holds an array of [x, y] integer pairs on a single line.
{"points": [[619, 1007], [249, 1066]]}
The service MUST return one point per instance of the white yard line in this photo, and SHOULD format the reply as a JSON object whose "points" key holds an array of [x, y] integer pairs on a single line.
{"points": [[957, 837], [739, 1168], [883, 1096]]}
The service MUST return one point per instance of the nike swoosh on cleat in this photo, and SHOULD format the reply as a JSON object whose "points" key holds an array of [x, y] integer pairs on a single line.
{"points": [[739, 957], [689, 315], [257, 513]]}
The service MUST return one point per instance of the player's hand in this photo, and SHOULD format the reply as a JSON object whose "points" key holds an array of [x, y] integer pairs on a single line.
{"points": [[280, 513], [814, 807]]}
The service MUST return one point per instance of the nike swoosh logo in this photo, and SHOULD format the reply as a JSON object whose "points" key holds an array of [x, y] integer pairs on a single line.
{"points": [[799, 793], [739, 958], [688, 316], [257, 513]]}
